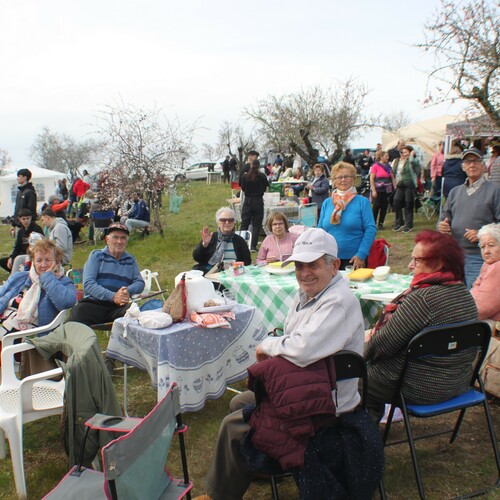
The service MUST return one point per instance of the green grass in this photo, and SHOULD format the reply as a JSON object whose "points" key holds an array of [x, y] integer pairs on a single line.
{"points": [[447, 470]]}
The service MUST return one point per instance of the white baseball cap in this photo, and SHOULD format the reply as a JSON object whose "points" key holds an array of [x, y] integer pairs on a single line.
{"points": [[311, 245]]}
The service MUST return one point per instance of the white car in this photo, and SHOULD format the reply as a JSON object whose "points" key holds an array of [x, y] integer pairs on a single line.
{"points": [[199, 171]]}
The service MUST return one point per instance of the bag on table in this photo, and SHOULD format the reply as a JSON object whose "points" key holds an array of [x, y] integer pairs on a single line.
{"points": [[176, 304]]}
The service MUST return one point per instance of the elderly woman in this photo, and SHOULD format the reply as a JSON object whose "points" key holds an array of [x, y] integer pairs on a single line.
{"points": [[436, 296], [348, 217], [278, 245], [35, 297], [485, 289], [382, 183], [319, 187], [221, 246]]}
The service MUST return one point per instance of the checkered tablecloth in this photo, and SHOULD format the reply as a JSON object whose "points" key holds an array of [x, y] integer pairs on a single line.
{"points": [[273, 294]]}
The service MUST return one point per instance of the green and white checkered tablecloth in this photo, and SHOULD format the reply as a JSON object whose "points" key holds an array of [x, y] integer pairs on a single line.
{"points": [[273, 294]]}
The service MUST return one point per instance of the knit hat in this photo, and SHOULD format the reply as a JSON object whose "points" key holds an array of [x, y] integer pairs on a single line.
{"points": [[311, 245], [25, 172]]}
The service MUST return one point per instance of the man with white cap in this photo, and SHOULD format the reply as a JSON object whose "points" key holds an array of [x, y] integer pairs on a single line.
{"points": [[325, 318]]}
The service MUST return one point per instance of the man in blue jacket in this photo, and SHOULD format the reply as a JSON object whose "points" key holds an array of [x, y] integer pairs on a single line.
{"points": [[110, 277], [139, 216]]}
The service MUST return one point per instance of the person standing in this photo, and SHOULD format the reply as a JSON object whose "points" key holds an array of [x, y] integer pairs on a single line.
{"points": [[382, 184], [395, 152], [233, 168], [254, 184], [26, 194], [406, 169], [365, 161], [252, 155], [318, 187], [437, 169], [225, 170], [453, 172], [468, 208]]}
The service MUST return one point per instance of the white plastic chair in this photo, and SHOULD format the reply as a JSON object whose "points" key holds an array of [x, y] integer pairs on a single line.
{"points": [[149, 277], [22, 401]]}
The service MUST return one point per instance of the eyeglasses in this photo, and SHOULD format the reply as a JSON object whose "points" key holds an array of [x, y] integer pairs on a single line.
{"points": [[343, 177], [472, 162], [418, 260], [226, 221]]}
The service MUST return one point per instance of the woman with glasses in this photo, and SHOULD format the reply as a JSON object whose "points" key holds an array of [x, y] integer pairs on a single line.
{"points": [[485, 289], [278, 245], [437, 296], [348, 217], [223, 245]]}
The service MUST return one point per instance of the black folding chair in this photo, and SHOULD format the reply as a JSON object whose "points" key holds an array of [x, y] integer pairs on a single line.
{"points": [[443, 341], [348, 364]]}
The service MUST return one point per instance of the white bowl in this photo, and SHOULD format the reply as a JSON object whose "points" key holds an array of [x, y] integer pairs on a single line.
{"points": [[381, 273]]}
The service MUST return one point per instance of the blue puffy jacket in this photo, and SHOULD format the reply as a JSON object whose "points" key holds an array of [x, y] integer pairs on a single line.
{"points": [[57, 294]]}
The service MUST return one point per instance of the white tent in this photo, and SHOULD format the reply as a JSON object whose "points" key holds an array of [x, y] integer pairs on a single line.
{"points": [[44, 181], [426, 135]]}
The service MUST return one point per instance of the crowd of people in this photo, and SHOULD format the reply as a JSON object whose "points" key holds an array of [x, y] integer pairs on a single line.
{"points": [[455, 278]]}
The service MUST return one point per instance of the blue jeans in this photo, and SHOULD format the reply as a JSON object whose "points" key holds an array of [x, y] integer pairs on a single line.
{"points": [[473, 264]]}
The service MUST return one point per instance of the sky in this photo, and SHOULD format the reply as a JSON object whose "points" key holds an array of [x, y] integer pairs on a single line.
{"points": [[201, 61]]}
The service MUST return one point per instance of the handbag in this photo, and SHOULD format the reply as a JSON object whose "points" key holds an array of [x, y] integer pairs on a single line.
{"points": [[176, 303]]}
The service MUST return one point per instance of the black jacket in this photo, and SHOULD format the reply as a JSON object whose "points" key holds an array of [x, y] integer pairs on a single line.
{"points": [[26, 198], [22, 239], [202, 255]]}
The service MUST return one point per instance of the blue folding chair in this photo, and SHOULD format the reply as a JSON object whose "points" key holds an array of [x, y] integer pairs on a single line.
{"points": [[430, 345]]}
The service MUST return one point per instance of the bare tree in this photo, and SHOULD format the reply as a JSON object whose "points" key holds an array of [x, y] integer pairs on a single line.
{"points": [[143, 150], [63, 153], [234, 139], [4, 159], [297, 122], [465, 42], [395, 121]]}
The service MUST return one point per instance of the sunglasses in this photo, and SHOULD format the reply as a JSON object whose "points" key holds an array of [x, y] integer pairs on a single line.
{"points": [[226, 221]]}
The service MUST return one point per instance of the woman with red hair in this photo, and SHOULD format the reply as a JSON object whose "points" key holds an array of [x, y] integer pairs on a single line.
{"points": [[437, 296]]}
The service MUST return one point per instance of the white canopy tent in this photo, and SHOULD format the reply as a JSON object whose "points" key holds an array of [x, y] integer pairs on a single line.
{"points": [[425, 135], [44, 181]]}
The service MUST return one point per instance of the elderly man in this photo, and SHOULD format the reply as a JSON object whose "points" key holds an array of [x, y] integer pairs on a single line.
{"points": [[59, 233], [110, 277], [27, 226], [324, 318], [468, 208]]}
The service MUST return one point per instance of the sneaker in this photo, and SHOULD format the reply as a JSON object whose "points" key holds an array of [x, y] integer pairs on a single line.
{"points": [[407, 229], [254, 250], [381, 226], [397, 228]]}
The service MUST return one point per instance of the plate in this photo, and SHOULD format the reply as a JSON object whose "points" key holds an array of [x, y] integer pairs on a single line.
{"points": [[218, 309], [280, 270]]}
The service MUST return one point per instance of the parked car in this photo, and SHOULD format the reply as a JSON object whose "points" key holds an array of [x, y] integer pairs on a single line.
{"points": [[198, 171]]}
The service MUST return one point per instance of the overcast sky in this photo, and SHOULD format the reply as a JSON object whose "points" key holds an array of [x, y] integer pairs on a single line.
{"points": [[61, 61]]}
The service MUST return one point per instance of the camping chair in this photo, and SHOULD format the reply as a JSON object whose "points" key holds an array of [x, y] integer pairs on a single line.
{"points": [[235, 189], [100, 220], [247, 236], [348, 364], [430, 204], [133, 464], [440, 342], [21, 401], [308, 215]]}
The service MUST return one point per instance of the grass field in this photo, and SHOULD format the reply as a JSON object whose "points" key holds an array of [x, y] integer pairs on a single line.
{"points": [[447, 470]]}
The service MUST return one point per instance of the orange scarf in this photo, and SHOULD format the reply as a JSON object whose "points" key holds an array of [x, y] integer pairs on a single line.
{"points": [[340, 203]]}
